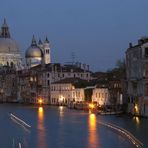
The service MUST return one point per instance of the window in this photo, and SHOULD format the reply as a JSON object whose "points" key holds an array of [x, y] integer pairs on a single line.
{"points": [[47, 51], [146, 89], [48, 82], [146, 52]]}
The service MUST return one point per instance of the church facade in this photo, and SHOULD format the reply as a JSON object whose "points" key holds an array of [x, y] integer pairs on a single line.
{"points": [[38, 53], [9, 50]]}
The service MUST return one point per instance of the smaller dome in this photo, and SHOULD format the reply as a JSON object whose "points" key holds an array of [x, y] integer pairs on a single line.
{"points": [[34, 52]]}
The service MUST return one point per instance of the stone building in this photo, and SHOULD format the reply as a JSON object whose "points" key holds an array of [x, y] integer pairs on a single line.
{"points": [[137, 77], [9, 51], [101, 96], [36, 81], [8, 84], [68, 90]]}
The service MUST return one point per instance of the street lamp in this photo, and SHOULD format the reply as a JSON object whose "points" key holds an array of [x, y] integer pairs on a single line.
{"points": [[40, 101]]}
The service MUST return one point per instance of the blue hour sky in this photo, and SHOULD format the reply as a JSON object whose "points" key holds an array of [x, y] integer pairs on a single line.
{"points": [[97, 31]]}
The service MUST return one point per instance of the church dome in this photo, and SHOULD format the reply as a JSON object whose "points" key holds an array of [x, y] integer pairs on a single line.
{"points": [[34, 51], [8, 45]]}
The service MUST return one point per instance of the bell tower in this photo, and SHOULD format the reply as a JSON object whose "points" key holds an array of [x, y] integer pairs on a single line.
{"points": [[46, 48]]}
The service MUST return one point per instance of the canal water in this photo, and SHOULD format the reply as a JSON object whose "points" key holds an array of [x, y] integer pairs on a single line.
{"points": [[59, 127]]}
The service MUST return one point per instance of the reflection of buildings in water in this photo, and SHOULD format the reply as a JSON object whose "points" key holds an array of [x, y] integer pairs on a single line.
{"points": [[92, 129], [41, 128], [61, 111]]}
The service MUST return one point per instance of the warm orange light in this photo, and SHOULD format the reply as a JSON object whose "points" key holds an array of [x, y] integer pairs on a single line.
{"points": [[40, 101], [40, 109], [136, 108], [137, 120], [92, 128], [92, 106], [61, 98]]}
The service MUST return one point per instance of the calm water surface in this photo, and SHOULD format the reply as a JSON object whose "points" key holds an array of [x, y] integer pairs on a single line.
{"points": [[59, 127]]}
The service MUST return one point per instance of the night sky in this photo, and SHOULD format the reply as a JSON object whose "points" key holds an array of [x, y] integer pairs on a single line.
{"points": [[96, 31]]}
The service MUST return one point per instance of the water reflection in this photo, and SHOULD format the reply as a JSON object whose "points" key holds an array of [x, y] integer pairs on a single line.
{"points": [[61, 111], [92, 129], [137, 121], [41, 128]]}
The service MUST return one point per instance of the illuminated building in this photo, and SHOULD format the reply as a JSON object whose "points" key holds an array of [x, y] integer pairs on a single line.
{"points": [[101, 96], [10, 54], [68, 90], [137, 77]]}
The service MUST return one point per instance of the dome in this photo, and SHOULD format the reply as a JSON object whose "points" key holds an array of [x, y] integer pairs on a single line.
{"points": [[8, 45], [34, 52]]}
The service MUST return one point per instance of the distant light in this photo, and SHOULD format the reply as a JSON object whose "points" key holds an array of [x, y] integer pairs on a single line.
{"points": [[91, 106], [40, 101], [61, 98], [136, 108]]}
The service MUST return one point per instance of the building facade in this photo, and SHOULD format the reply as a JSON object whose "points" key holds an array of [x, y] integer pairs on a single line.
{"points": [[137, 77], [101, 96], [67, 91], [35, 83]]}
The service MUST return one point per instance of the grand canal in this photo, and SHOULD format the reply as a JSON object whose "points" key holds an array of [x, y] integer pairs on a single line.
{"points": [[59, 127]]}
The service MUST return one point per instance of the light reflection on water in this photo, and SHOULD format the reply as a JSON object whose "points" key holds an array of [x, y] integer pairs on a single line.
{"points": [[41, 128], [136, 121], [93, 140], [61, 111]]}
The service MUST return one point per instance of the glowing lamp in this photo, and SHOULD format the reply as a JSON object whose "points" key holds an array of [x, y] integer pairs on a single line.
{"points": [[92, 106], [40, 101]]}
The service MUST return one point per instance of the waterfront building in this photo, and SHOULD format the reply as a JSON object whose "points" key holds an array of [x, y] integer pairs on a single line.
{"points": [[137, 77], [46, 74], [68, 90], [101, 96], [10, 54], [8, 84]]}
